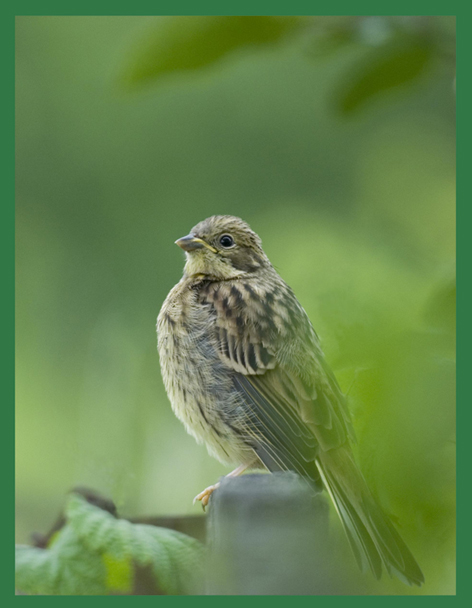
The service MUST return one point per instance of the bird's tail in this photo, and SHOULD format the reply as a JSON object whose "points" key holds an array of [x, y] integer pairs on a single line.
{"points": [[373, 539]]}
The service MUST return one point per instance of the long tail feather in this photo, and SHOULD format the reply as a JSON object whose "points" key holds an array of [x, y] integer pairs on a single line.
{"points": [[373, 539]]}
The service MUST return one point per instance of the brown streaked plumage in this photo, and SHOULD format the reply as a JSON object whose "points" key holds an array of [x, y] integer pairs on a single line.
{"points": [[244, 372]]}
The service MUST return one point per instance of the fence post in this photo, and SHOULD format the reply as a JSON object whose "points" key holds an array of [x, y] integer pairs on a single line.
{"points": [[268, 534]]}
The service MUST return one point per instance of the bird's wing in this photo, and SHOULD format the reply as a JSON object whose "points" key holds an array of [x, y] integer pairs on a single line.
{"points": [[294, 405], [295, 413]]}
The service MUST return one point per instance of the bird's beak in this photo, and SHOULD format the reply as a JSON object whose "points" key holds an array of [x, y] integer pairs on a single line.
{"points": [[190, 243]]}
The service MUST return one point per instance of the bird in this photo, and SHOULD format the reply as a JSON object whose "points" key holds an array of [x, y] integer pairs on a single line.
{"points": [[244, 371]]}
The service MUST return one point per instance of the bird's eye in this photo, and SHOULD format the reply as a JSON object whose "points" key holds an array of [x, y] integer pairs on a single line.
{"points": [[226, 241]]}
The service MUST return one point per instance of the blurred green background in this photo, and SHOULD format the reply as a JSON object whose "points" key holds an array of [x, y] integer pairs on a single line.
{"points": [[334, 137]]}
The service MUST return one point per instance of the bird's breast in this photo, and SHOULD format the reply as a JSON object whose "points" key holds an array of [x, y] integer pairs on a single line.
{"points": [[199, 387]]}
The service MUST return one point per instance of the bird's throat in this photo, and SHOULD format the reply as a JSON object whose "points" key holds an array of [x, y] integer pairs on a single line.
{"points": [[206, 264]]}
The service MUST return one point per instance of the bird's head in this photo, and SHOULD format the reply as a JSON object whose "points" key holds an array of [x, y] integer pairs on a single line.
{"points": [[222, 247]]}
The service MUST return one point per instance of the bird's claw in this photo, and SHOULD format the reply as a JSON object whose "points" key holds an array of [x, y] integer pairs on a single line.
{"points": [[204, 496]]}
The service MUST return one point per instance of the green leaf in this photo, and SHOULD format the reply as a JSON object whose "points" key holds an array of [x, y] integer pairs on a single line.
{"points": [[175, 558], [397, 63], [66, 568], [193, 42], [119, 573], [96, 554]]}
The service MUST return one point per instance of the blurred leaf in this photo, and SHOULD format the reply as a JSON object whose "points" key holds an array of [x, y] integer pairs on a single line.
{"points": [[392, 65], [119, 573], [329, 42], [66, 568], [332, 34], [193, 42], [95, 554], [174, 557]]}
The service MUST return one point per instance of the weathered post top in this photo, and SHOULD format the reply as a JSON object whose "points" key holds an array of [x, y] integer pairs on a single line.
{"points": [[268, 534]]}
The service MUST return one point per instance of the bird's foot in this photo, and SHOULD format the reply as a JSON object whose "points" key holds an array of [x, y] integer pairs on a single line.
{"points": [[204, 496]]}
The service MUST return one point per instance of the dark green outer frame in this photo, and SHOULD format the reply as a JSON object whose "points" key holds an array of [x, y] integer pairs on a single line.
{"points": [[7, 241]]}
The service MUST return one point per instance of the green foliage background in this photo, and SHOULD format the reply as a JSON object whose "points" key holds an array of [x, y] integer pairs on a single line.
{"points": [[334, 138]]}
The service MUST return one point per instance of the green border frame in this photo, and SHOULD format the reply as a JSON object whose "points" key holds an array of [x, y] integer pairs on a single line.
{"points": [[7, 240]]}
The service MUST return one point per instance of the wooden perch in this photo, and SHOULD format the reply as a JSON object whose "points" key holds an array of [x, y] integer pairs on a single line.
{"points": [[268, 534]]}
